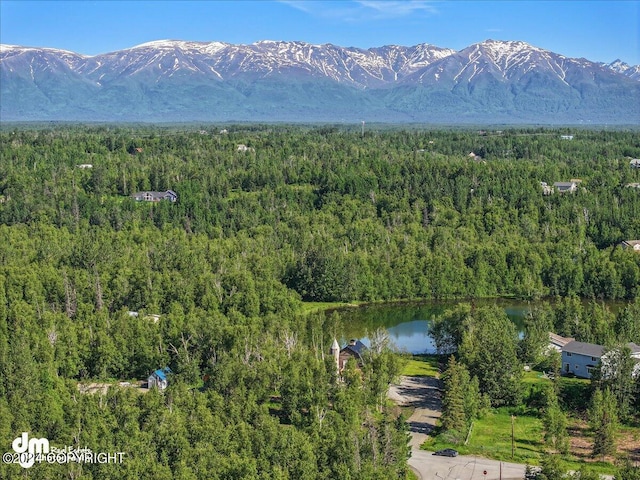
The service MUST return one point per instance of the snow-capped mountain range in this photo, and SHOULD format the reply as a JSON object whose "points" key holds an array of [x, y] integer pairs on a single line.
{"points": [[171, 80]]}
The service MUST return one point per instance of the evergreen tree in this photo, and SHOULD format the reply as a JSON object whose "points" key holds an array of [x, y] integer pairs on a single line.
{"points": [[538, 323], [603, 421], [489, 349], [616, 372], [454, 418], [552, 468], [555, 424], [461, 401]]}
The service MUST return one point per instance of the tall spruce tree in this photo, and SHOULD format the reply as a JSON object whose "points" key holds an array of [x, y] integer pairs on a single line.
{"points": [[555, 424], [603, 419], [461, 401], [453, 417]]}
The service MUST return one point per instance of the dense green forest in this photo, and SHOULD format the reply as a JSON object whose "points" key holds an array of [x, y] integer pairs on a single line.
{"points": [[301, 214]]}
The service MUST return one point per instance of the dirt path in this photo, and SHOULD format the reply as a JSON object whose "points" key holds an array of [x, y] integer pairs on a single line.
{"points": [[423, 394]]}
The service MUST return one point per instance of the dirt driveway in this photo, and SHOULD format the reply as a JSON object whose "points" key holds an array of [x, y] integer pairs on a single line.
{"points": [[423, 394]]}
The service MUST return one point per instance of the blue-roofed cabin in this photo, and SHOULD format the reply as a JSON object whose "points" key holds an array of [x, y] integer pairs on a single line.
{"points": [[158, 378], [355, 349]]}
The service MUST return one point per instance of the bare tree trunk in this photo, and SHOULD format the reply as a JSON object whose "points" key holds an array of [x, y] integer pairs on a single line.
{"points": [[70, 303], [99, 300]]}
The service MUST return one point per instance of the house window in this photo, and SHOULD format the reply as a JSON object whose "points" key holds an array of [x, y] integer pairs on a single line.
{"points": [[590, 370], [566, 367], [568, 354], [594, 359], [577, 367]]}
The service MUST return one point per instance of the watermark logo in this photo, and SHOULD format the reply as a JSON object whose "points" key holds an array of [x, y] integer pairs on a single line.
{"points": [[31, 446], [28, 451]]}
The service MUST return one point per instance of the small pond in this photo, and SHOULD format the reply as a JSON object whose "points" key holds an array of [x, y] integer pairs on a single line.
{"points": [[408, 323]]}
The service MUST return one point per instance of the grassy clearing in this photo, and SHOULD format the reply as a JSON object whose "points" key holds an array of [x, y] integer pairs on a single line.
{"points": [[491, 437], [534, 377], [494, 432], [421, 366], [315, 307]]}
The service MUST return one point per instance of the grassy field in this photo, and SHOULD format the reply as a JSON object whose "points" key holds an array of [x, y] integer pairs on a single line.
{"points": [[314, 307], [421, 366], [491, 435], [491, 438]]}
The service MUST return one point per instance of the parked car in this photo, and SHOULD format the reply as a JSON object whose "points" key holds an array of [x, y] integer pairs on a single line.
{"points": [[447, 452]]}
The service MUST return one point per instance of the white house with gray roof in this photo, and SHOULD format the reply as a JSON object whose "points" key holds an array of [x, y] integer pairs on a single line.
{"points": [[579, 358]]}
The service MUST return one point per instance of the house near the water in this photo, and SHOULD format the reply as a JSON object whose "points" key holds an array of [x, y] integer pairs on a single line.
{"points": [[580, 358], [557, 342], [354, 350]]}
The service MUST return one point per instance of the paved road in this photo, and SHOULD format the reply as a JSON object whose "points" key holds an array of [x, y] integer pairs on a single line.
{"points": [[429, 467], [423, 393]]}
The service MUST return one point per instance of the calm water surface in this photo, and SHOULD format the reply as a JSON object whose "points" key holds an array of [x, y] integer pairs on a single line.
{"points": [[408, 324]]}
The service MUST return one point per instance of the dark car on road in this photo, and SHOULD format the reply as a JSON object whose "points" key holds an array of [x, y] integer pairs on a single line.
{"points": [[447, 452]]}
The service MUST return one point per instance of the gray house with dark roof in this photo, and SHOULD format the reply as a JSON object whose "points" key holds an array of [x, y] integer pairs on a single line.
{"points": [[148, 196], [566, 186], [580, 358]]}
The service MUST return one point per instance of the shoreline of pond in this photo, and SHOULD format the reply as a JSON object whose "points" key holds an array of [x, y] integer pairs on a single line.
{"points": [[407, 322]]}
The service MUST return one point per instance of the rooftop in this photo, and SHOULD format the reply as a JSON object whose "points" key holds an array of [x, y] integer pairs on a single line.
{"points": [[581, 348], [356, 347]]}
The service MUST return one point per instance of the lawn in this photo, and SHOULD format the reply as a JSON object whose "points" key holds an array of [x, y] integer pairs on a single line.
{"points": [[491, 437], [421, 366], [315, 307]]}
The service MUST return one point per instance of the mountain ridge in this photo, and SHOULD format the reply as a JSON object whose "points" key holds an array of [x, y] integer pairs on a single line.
{"points": [[508, 81]]}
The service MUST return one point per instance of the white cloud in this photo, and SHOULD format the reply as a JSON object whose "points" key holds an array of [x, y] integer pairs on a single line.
{"points": [[363, 10], [398, 8]]}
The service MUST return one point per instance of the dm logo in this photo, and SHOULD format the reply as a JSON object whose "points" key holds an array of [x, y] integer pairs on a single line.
{"points": [[27, 448]]}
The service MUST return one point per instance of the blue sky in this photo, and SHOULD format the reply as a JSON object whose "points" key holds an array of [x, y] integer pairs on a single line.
{"points": [[597, 30]]}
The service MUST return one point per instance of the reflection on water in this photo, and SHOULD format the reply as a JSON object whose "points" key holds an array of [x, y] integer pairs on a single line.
{"points": [[412, 337], [408, 324]]}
